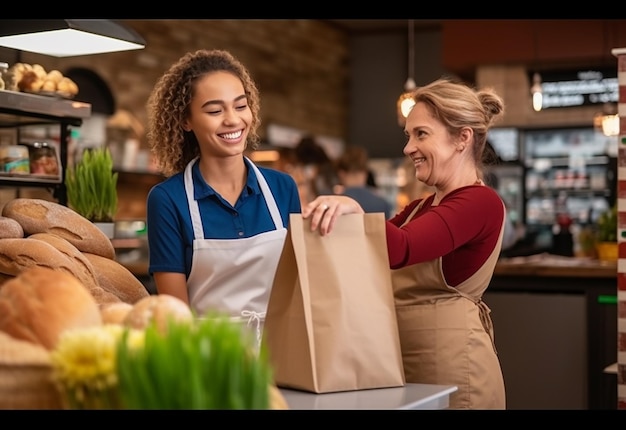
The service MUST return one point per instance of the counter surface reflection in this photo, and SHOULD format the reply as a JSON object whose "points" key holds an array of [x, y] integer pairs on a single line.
{"points": [[410, 396]]}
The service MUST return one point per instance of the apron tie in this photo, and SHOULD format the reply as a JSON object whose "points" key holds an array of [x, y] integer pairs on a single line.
{"points": [[484, 314], [254, 318], [486, 321]]}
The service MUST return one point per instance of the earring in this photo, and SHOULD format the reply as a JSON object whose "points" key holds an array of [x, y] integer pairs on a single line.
{"points": [[461, 148]]}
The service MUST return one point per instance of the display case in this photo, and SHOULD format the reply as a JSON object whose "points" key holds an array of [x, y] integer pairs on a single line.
{"points": [[21, 110], [571, 171]]}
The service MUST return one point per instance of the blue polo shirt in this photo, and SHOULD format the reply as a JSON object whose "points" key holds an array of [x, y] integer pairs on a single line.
{"points": [[170, 233]]}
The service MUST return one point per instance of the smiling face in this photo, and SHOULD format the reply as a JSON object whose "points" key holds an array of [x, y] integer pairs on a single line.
{"points": [[435, 154], [219, 115]]}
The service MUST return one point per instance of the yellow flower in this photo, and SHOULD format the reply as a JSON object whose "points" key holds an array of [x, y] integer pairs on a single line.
{"points": [[84, 362]]}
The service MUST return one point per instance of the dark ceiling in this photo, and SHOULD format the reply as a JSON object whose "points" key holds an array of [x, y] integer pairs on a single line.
{"points": [[361, 26]]}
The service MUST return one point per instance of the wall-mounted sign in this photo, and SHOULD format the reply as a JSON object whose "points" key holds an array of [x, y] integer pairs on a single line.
{"points": [[572, 88]]}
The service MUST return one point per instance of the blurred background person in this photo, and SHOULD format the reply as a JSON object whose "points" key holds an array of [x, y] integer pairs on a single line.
{"points": [[318, 167], [288, 162], [353, 172]]}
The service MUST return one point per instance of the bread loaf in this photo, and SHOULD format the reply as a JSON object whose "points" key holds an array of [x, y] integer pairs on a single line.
{"points": [[40, 303], [158, 309], [84, 271], [16, 255], [80, 265], [115, 313], [117, 279], [10, 228], [4, 277], [43, 216]]}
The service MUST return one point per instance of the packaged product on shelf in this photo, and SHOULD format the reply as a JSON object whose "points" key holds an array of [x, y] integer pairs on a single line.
{"points": [[14, 159], [43, 159]]}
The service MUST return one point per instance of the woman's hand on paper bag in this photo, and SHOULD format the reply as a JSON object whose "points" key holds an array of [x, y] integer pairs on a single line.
{"points": [[325, 209]]}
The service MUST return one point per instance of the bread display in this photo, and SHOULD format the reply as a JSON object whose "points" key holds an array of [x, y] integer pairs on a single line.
{"points": [[33, 78], [43, 216], [35, 232], [40, 303]]}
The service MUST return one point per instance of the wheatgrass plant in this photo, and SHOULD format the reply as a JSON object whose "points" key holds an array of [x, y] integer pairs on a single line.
{"points": [[210, 364], [92, 186]]}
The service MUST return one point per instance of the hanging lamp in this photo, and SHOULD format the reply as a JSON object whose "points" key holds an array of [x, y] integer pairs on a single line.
{"points": [[405, 101], [68, 37], [537, 92]]}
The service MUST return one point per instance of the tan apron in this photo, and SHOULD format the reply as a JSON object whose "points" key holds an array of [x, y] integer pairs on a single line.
{"points": [[234, 276], [446, 333]]}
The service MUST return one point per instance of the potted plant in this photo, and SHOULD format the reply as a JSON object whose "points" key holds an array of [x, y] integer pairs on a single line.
{"points": [[92, 188], [606, 235]]}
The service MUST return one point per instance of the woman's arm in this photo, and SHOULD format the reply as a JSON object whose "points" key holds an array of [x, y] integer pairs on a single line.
{"points": [[174, 284]]}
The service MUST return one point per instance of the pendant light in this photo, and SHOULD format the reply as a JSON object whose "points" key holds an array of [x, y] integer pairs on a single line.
{"points": [[405, 101], [537, 92], [68, 37]]}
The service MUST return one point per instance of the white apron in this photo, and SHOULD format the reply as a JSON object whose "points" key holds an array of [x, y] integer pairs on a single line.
{"points": [[234, 276]]}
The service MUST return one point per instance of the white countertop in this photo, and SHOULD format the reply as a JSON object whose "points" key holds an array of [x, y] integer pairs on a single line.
{"points": [[410, 396]]}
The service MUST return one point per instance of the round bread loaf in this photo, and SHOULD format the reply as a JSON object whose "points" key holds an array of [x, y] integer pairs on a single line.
{"points": [[41, 303], [115, 313], [43, 216], [158, 309], [117, 279], [10, 228]]}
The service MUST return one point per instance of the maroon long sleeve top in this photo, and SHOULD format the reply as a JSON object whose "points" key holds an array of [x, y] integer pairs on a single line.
{"points": [[463, 229]]}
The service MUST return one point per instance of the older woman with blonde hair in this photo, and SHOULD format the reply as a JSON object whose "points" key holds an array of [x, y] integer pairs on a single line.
{"points": [[443, 248]]}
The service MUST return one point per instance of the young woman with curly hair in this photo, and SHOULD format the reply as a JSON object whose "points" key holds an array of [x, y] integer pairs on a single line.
{"points": [[217, 224]]}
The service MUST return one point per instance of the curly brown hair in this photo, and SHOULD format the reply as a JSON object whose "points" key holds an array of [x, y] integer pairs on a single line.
{"points": [[168, 107]]}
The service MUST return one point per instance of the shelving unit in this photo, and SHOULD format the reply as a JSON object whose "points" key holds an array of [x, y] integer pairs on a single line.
{"points": [[21, 109], [570, 170]]}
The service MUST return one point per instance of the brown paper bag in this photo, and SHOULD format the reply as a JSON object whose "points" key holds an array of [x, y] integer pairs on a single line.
{"points": [[331, 322]]}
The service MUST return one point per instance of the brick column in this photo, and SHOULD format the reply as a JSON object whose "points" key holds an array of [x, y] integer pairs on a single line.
{"points": [[620, 53]]}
